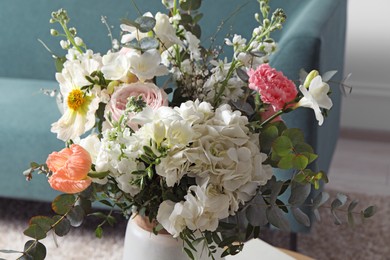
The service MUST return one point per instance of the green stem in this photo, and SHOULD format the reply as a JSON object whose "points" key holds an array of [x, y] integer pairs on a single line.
{"points": [[69, 36], [280, 112]]}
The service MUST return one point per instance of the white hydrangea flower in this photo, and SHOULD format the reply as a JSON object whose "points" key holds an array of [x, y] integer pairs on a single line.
{"points": [[202, 209]]}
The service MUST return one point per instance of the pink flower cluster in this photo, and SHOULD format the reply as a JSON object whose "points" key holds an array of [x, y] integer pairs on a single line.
{"points": [[274, 88]]}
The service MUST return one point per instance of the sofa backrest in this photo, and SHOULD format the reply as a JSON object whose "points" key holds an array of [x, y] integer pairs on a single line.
{"points": [[23, 22]]}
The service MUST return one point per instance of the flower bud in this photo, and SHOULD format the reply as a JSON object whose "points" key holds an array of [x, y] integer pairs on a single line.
{"points": [[53, 32], [64, 44], [310, 77], [78, 41]]}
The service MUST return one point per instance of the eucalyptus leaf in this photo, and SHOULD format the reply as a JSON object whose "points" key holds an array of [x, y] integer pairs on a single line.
{"points": [[190, 5], [369, 212], [62, 227], [282, 146], [300, 216], [35, 231], [99, 232], [286, 162], [37, 251], [242, 74], [76, 216], [320, 199], [295, 135], [63, 203], [43, 222], [256, 212], [328, 75], [300, 162], [299, 193], [277, 218], [145, 23], [148, 43]]}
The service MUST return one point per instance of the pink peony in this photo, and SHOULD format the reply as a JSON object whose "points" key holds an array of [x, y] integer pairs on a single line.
{"points": [[70, 169], [153, 96], [274, 88]]}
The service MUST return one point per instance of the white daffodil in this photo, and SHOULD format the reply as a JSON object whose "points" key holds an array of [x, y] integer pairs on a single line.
{"points": [[316, 97], [147, 65]]}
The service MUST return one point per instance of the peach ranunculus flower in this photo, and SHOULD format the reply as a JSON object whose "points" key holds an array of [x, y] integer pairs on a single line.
{"points": [[274, 88], [70, 168], [153, 96]]}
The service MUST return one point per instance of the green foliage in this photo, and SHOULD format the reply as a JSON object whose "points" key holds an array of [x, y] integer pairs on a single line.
{"points": [[34, 250], [62, 225], [63, 203]]}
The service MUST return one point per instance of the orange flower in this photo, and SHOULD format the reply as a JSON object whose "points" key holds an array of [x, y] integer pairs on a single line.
{"points": [[70, 169]]}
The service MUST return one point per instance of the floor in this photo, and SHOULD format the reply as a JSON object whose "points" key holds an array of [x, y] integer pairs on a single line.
{"points": [[361, 164]]}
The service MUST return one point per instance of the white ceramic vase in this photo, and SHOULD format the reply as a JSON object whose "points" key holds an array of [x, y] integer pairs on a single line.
{"points": [[141, 244]]}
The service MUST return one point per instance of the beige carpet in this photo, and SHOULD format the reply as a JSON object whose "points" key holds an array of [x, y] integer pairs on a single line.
{"points": [[326, 241]]}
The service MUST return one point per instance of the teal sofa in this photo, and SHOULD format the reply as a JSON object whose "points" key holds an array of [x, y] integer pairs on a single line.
{"points": [[313, 38]]}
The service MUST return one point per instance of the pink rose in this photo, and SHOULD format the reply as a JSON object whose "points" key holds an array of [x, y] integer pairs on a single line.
{"points": [[274, 88], [152, 95], [70, 168]]}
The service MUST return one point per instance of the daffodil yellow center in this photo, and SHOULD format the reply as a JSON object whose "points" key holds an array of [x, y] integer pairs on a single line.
{"points": [[76, 99]]}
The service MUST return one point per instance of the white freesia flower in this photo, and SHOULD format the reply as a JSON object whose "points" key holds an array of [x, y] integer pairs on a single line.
{"points": [[316, 97], [165, 31], [115, 66], [193, 46], [146, 65]]}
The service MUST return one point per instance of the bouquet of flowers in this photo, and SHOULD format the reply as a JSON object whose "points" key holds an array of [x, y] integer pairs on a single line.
{"points": [[162, 127]]}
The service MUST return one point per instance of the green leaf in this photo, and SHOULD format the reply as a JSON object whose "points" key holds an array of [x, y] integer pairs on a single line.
{"points": [[189, 253], [145, 23], [295, 135], [256, 212], [76, 216], [267, 137], [369, 212], [228, 241], [35, 231], [45, 223], [59, 63], [63, 203], [320, 199], [190, 5], [299, 193], [99, 232], [339, 201], [300, 162], [148, 43], [282, 146], [300, 216], [37, 251], [242, 74], [277, 218], [62, 226], [286, 162]]}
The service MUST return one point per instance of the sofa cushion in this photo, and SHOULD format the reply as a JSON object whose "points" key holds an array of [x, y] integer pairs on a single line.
{"points": [[26, 116]]}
